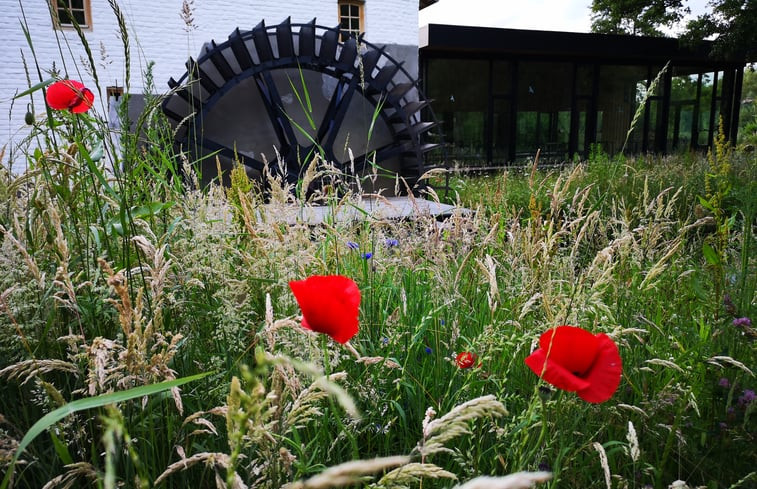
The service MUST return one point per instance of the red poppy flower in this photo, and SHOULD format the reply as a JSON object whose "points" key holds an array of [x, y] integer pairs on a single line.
{"points": [[466, 359], [330, 305], [575, 360], [71, 95]]}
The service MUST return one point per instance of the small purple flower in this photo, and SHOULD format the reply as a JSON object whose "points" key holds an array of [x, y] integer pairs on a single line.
{"points": [[723, 425], [391, 242], [725, 383], [741, 322], [747, 397], [352, 245], [429, 350], [441, 321], [385, 340], [367, 256]]}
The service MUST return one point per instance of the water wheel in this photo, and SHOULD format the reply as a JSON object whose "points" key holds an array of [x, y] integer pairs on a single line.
{"points": [[279, 95]]}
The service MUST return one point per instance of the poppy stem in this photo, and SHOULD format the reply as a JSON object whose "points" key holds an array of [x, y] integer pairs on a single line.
{"points": [[544, 422]]}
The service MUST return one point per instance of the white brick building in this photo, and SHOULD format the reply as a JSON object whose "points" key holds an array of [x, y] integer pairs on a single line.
{"points": [[159, 33]]}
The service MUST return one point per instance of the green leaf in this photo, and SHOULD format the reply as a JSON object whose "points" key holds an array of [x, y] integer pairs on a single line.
{"points": [[96, 236], [53, 417], [90, 161], [151, 209], [97, 151], [706, 204], [38, 86], [61, 449], [710, 254]]}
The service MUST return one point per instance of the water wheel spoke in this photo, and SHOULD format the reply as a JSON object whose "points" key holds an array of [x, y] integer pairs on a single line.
{"points": [[275, 109], [336, 112]]}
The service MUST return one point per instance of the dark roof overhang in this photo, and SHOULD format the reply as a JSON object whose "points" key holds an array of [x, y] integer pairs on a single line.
{"points": [[491, 41]]}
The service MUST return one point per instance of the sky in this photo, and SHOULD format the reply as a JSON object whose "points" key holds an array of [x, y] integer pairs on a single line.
{"points": [[558, 15]]}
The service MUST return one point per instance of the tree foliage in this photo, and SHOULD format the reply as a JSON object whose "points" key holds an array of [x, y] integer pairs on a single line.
{"points": [[733, 25], [637, 17]]}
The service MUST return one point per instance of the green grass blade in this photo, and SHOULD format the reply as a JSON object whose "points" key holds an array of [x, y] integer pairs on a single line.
{"points": [[34, 88], [53, 417]]}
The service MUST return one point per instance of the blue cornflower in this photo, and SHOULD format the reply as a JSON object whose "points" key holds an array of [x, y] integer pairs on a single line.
{"points": [[391, 242], [385, 340], [367, 256], [352, 245], [429, 350]]}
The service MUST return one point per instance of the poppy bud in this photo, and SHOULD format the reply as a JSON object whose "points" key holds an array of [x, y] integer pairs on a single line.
{"points": [[29, 118]]}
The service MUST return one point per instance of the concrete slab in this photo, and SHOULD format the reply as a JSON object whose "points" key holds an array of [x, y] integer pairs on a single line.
{"points": [[383, 208]]}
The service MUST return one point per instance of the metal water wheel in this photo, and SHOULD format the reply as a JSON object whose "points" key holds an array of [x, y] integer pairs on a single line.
{"points": [[279, 95]]}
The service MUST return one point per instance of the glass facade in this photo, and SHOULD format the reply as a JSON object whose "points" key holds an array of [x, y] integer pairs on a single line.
{"points": [[460, 94], [497, 111]]}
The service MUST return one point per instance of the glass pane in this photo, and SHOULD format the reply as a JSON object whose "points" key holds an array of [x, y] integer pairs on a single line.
{"points": [[344, 10], [80, 17], [64, 17], [584, 80], [544, 106], [582, 108], [354, 11], [77, 4], [502, 77], [654, 107], [355, 24], [683, 100], [621, 92], [459, 91], [707, 123], [501, 132]]}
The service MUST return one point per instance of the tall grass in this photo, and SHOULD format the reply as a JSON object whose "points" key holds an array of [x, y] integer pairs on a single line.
{"points": [[111, 280]]}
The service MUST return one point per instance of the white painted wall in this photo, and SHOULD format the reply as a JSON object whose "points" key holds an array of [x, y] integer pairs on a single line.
{"points": [[157, 33]]}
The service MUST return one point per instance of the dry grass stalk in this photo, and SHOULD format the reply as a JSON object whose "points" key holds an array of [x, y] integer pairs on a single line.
{"points": [[438, 432], [411, 474], [348, 473], [214, 460], [29, 369], [30, 262], [731, 361], [74, 472], [633, 442], [664, 363], [148, 351], [603, 461], [519, 480]]}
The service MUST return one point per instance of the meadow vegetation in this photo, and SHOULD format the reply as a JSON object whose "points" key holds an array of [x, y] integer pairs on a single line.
{"points": [[158, 316]]}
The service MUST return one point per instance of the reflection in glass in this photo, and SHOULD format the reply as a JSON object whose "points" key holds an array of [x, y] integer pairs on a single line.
{"points": [[460, 94]]}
